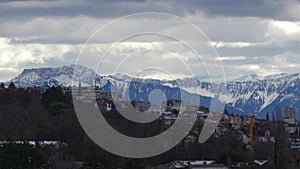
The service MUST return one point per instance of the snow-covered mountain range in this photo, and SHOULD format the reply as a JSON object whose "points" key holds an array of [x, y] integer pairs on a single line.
{"points": [[248, 94], [55, 76]]}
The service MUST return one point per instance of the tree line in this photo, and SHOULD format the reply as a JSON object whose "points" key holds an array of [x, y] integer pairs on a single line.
{"points": [[50, 115]]}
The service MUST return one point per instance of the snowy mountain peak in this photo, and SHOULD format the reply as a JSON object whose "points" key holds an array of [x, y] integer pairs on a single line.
{"points": [[250, 93], [250, 77], [120, 76], [275, 76], [62, 76]]}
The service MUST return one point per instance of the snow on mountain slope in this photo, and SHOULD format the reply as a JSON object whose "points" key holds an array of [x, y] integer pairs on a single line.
{"points": [[252, 96], [275, 76], [245, 78], [55, 76]]}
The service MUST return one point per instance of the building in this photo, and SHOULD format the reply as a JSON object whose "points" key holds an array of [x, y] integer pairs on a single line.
{"points": [[172, 105], [261, 162], [290, 115], [266, 137], [89, 93], [42, 144], [292, 129], [210, 166], [140, 105], [289, 112], [203, 164]]}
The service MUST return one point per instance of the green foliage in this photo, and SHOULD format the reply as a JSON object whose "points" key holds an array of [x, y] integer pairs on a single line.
{"points": [[21, 156]]}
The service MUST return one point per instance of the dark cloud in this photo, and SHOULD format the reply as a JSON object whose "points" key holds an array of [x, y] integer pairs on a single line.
{"points": [[54, 28], [275, 9], [100, 9]]}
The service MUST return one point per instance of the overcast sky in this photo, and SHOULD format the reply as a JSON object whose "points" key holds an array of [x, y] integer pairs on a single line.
{"points": [[257, 36]]}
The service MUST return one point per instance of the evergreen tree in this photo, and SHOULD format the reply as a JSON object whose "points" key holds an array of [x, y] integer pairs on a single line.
{"points": [[11, 85], [278, 113], [2, 85], [282, 151], [54, 100], [52, 96], [267, 117], [79, 89]]}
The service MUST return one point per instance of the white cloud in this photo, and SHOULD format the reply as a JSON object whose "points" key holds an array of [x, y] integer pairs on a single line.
{"points": [[260, 44], [288, 27], [238, 44], [7, 72], [231, 58], [15, 57], [283, 30]]}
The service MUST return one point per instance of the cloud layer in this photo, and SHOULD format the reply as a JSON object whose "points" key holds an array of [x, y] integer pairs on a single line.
{"points": [[261, 36]]}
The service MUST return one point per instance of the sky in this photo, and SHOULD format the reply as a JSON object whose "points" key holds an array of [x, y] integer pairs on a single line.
{"points": [[166, 39]]}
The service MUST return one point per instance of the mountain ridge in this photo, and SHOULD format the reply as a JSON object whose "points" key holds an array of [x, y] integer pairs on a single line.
{"points": [[255, 96]]}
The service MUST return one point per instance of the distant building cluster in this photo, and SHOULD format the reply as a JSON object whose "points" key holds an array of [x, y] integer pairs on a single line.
{"points": [[251, 128], [192, 164], [290, 115], [104, 99]]}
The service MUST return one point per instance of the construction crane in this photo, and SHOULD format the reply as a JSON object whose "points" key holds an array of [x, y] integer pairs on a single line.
{"points": [[238, 121], [252, 122]]}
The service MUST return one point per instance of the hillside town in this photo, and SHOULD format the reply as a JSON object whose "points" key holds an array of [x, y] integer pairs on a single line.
{"points": [[149, 84], [251, 130]]}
